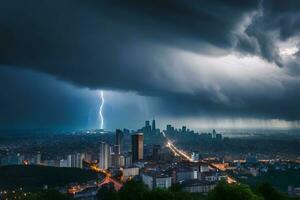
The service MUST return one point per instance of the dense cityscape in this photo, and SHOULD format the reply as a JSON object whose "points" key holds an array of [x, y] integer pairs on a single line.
{"points": [[149, 155]]}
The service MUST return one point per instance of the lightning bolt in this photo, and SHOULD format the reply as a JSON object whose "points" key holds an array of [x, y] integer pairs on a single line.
{"points": [[100, 111]]}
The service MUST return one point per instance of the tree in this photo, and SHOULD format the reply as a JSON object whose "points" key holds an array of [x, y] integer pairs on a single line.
{"points": [[160, 194], [269, 193], [48, 195], [134, 190], [224, 191], [175, 187], [107, 192]]}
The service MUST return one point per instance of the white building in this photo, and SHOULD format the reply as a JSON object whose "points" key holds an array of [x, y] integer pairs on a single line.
{"points": [[163, 182], [38, 158], [155, 179], [204, 168], [51, 163], [183, 174], [79, 160], [127, 161], [195, 156], [210, 176], [75, 160], [122, 161], [63, 163], [293, 191], [130, 173], [104, 156], [148, 181]]}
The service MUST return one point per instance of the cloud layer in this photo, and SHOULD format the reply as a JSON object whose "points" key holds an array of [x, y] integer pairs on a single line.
{"points": [[226, 58]]}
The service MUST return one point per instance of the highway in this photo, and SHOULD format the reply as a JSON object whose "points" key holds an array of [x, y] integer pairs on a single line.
{"points": [[185, 156], [107, 179]]}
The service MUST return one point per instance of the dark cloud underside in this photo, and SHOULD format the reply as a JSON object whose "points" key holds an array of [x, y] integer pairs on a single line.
{"points": [[127, 45]]}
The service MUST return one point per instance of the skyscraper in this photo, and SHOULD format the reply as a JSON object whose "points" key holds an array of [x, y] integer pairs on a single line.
{"points": [[120, 140], [38, 158], [78, 160], [104, 155], [127, 141], [214, 133], [153, 126], [116, 149], [75, 160], [147, 123], [137, 147], [147, 129]]}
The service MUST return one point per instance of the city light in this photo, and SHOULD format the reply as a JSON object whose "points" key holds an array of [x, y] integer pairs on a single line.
{"points": [[175, 150]]}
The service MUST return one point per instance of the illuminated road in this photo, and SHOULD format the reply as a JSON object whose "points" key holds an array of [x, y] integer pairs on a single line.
{"points": [[185, 156], [178, 152], [107, 179], [175, 150]]}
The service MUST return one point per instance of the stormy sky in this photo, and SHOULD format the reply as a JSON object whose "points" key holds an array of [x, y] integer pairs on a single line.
{"points": [[217, 63]]}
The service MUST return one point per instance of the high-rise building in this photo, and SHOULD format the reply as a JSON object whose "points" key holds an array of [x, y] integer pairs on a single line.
{"points": [[137, 147], [38, 158], [214, 133], [75, 160], [127, 141], [79, 160], [120, 140], [147, 123], [117, 150], [71, 160], [127, 160], [104, 155], [122, 161], [169, 129], [153, 126], [116, 160], [147, 129]]}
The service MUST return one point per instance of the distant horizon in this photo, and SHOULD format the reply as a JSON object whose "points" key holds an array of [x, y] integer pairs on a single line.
{"points": [[200, 130]]}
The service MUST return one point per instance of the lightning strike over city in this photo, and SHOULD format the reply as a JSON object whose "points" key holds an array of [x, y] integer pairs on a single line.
{"points": [[102, 101], [81, 82]]}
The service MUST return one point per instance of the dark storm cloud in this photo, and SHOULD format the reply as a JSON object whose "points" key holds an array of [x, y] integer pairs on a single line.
{"points": [[84, 42], [259, 107], [35, 100], [121, 45], [276, 18]]}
